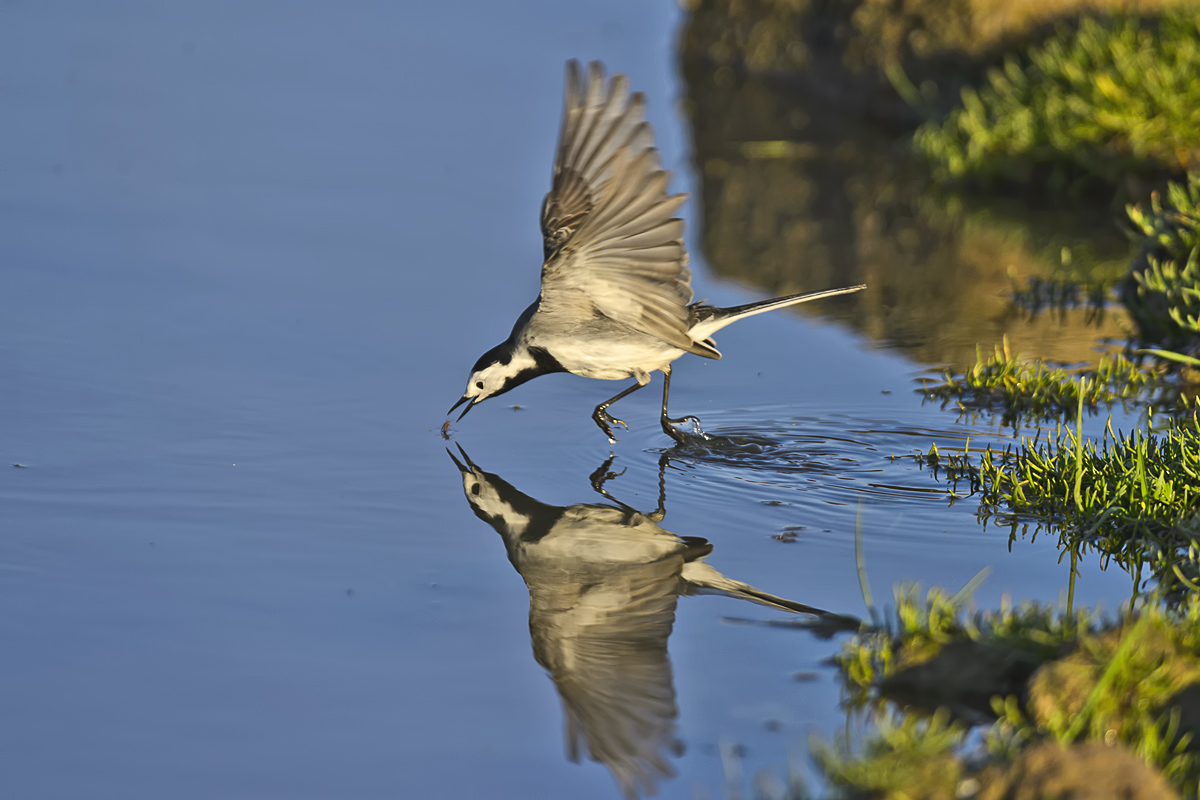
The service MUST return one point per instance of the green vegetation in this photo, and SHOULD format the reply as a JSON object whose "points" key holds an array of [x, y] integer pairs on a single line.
{"points": [[1111, 99], [1134, 498], [1162, 291], [912, 31], [1060, 93], [920, 628], [909, 756], [898, 58], [1065, 695], [1071, 679], [1032, 390], [1070, 95]]}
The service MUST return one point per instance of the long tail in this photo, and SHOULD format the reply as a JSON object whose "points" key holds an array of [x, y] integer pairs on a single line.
{"points": [[707, 320]]}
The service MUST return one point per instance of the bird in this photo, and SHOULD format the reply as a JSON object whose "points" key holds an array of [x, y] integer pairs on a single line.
{"points": [[604, 581], [616, 295]]}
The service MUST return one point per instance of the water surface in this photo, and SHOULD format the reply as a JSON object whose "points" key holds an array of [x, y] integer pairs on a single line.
{"points": [[248, 255]]}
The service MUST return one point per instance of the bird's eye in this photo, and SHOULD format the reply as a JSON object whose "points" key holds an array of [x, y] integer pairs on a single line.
{"points": [[475, 489], [479, 385]]}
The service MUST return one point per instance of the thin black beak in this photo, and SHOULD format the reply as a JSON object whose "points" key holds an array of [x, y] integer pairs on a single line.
{"points": [[462, 400]]}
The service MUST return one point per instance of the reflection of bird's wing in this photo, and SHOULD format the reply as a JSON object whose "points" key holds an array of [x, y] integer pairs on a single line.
{"points": [[602, 633], [612, 243]]}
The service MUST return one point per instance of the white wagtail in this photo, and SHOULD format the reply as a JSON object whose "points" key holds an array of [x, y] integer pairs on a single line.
{"points": [[615, 283]]}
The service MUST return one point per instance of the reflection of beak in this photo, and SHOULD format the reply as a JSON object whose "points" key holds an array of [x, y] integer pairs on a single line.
{"points": [[469, 466], [462, 400]]}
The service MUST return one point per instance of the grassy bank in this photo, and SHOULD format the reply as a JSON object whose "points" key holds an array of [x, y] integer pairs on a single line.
{"points": [[1105, 102], [1086, 97], [1044, 687], [1033, 701]]}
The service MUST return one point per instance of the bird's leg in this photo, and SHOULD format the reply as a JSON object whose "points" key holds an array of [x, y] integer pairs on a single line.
{"points": [[606, 420], [667, 421]]}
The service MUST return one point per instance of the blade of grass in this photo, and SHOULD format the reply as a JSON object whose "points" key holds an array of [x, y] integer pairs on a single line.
{"points": [[1118, 661]]}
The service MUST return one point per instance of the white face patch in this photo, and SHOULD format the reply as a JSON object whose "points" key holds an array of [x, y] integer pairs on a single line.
{"points": [[495, 377]]}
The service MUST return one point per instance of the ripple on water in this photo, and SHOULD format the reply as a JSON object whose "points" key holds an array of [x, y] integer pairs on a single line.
{"points": [[831, 459]]}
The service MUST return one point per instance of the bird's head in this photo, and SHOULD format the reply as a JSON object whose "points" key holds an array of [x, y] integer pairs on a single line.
{"points": [[502, 368], [496, 371]]}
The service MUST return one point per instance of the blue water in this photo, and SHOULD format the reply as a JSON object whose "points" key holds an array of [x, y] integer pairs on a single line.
{"points": [[248, 253]]}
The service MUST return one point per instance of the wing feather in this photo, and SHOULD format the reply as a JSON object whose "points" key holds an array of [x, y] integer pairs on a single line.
{"points": [[608, 223]]}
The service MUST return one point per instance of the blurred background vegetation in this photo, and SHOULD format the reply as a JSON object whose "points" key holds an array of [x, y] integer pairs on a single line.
{"points": [[945, 152]]}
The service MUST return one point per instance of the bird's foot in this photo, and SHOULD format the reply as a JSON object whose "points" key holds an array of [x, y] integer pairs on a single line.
{"points": [[606, 421], [669, 423]]}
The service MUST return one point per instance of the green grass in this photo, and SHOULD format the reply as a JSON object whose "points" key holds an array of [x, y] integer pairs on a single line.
{"points": [[919, 627], [1133, 497], [1162, 291], [1112, 98], [908, 756], [1031, 390], [1119, 684], [1115, 681]]}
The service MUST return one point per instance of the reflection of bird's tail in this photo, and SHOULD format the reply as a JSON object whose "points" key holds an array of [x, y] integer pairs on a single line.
{"points": [[700, 578], [708, 320]]}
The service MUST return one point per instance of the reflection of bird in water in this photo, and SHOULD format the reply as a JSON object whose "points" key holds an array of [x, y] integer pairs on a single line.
{"points": [[603, 582]]}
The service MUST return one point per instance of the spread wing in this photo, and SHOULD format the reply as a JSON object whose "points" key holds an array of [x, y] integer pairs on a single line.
{"points": [[612, 242]]}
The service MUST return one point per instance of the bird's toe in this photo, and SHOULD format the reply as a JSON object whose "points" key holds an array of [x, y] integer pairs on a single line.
{"points": [[605, 420]]}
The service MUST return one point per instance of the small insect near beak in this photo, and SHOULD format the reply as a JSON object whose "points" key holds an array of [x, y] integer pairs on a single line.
{"points": [[462, 400]]}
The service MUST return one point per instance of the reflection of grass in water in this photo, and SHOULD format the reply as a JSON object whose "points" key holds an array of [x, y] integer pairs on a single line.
{"points": [[1134, 498], [1056, 294], [794, 199]]}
